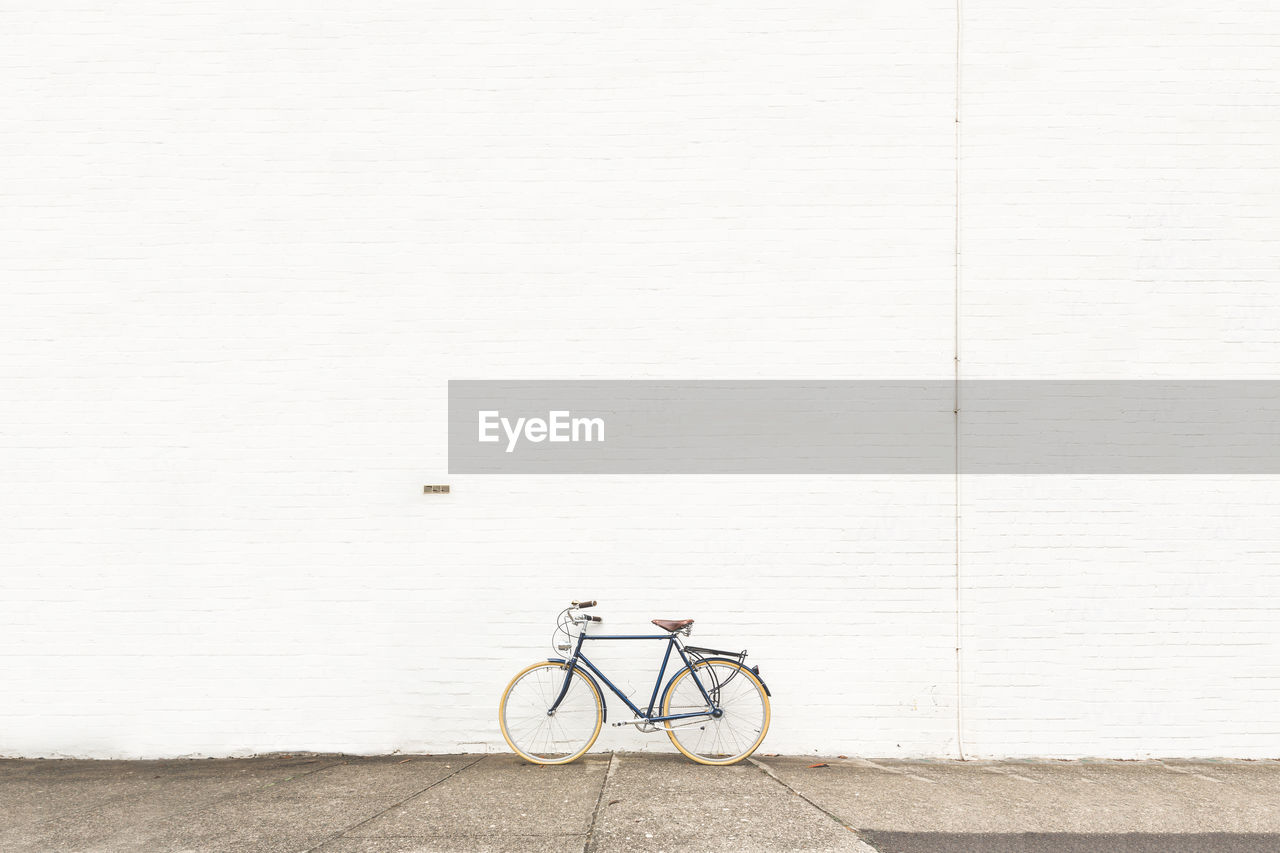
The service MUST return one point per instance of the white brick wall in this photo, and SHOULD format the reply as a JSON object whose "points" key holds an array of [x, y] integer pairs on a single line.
{"points": [[245, 249], [1120, 209]]}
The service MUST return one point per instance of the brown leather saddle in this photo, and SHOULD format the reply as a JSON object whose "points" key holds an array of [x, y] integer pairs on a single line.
{"points": [[672, 624]]}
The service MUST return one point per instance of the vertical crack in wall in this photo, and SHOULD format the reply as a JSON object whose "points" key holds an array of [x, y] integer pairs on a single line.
{"points": [[956, 395]]}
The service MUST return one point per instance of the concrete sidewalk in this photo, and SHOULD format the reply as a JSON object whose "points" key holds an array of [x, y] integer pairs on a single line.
{"points": [[637, 802]]}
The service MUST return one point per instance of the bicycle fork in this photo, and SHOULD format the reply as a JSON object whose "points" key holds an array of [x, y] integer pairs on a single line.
{"points": [[564, 688]]}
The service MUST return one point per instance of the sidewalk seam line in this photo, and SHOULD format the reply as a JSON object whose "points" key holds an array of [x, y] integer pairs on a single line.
{"points": [[769, 771], [359, 824], [337, 763], [589, 845]]}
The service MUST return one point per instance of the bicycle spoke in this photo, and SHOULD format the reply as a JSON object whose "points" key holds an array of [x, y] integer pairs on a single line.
{"points": [[741, 725], [541, 736]]}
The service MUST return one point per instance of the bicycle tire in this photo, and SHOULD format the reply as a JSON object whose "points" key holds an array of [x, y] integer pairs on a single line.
{"points": [[550, 739], [733, 736]]}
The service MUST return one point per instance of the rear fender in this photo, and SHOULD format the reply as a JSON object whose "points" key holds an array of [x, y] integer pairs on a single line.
{"points": [[754, 670]]}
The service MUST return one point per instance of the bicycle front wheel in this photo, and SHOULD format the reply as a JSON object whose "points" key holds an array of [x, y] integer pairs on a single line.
{"points": [[550, 738], [741, 724]]}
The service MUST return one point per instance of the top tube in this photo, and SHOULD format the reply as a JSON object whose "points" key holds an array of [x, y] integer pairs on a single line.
{"points": [[628, 636]]}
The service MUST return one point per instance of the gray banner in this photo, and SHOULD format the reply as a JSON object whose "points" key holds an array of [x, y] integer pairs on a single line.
{"points": [[863, 427]]}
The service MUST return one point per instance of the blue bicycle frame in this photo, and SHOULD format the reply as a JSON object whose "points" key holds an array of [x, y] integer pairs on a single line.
{"points": [[647, 715]]}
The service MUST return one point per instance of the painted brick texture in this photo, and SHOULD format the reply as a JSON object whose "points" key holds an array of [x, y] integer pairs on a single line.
{"points": [[245, 248]]}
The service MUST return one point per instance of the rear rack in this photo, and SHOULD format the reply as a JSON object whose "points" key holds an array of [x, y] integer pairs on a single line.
{"points": [[699, 652]]}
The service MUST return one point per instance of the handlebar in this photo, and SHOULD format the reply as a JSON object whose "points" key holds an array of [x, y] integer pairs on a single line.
{"points": [[583, 605]]}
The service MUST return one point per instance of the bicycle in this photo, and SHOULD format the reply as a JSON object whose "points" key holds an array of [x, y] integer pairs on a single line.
{"points": [[714, 708]]}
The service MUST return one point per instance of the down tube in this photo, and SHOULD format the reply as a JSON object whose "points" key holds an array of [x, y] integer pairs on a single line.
{"points": [[611, 685]]}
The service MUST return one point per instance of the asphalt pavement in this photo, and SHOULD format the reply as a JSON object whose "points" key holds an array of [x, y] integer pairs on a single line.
{"points": [[656, 802]]}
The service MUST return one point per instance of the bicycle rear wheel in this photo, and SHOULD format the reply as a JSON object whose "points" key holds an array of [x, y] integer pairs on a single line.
{"points": [[556, 738], [741, 699]]}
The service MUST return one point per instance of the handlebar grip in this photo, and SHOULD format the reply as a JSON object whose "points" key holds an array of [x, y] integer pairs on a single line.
{"points": [[595, 618], [583, 605]]}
